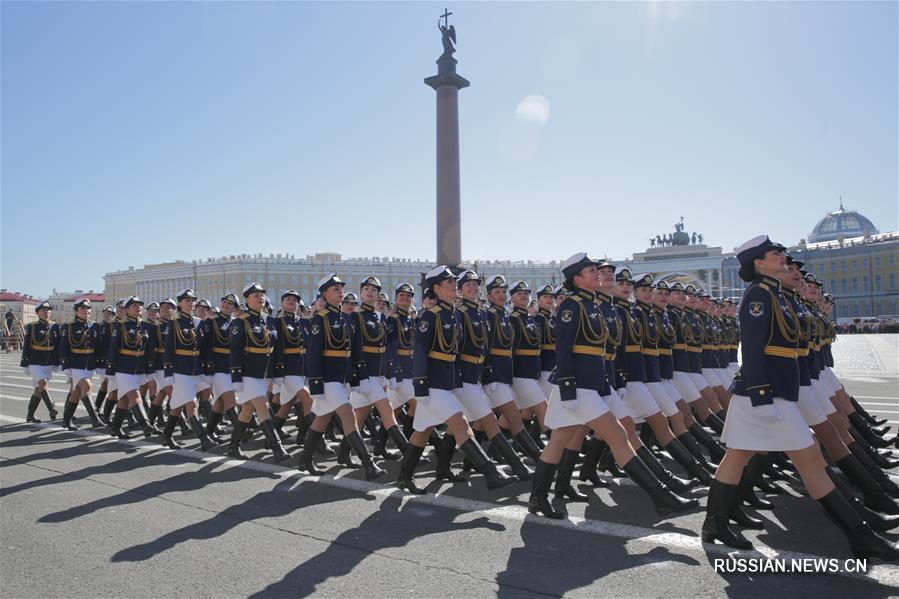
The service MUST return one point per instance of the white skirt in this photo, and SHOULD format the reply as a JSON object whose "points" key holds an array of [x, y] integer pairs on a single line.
{"points": [[221, 384], [184, 390], [335, 395], [375, 393], [290, 386], [822, 394], [527, 393], [744, 429], [204, 381], [662, 399], [544, 383], [112, 384], [698, 380], [473, 401], [685, 386], [809, 407], [639, 401], [439, 406], [252, 389], [500, 396], [77, 375], [617, 405], [711, 377], [828, 376], [403, 392], [590, 406], [163, 381], [126, 383], [40, 373]]}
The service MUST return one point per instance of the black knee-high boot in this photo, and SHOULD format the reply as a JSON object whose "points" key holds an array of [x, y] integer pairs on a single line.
{"points": [[692, 446], [607, 462], [863, 472], [663, 499], [147, 428], [115, 424], [714, 422], [865, 414], [446, 447], [101, 395], [268, 429], [372, 470], [236, 438], [862, 539], [874, 519], [205, 442], [721, 502], [406, 480], [565, 469], [212, 427], [505, 449], [310, 444], [398, 438], [168, 431], [591, 461], [379, 442], [716, 451], [91, 412], [862, 443], [32, 406], [752, 472], [67, 412], [863, 428], [278, 423], [885, 482], [668, 478], [527, 445], [494, 477], [108, 407], [683, 457], [345, 455], [538, 502], [51, 407]]}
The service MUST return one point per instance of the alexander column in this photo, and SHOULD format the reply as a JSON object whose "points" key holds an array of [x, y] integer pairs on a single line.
{"points": [[447, 84]]}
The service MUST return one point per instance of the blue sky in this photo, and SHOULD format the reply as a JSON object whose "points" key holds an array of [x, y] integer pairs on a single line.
{"points": [[137, 133]]}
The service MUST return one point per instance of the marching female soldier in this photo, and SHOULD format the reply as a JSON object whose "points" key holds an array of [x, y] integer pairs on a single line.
{"points": [[827, 434], [434, 378], [400, 340], [499, 366], [681, 379], [334, 357], [581, 338], [251, 344], [105, 329], [763, 414], [39, 357], [129, 349], [371, 327], [78, 347], [625, 329], [182, 362], [645, 397], [290, 356], [527, 363], [160, 334], [469, 392], [217, 349]]}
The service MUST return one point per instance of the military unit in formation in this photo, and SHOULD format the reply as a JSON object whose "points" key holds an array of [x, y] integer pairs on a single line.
{"points": [[612, 374]]}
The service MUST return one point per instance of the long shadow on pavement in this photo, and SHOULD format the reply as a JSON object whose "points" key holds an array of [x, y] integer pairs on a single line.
{"points": [[393, 525], [273, 503], [555, 560], [191, 480]]}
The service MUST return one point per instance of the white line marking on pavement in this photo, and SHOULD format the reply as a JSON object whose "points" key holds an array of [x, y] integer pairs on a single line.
{"points": [[883, 574]]}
